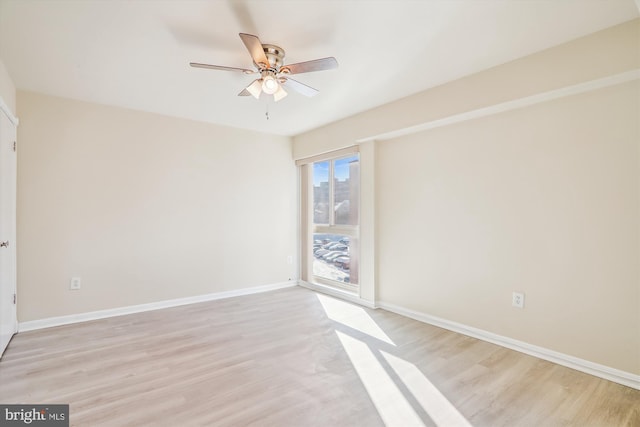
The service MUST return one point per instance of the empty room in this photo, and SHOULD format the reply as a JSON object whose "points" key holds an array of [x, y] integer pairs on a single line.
{"points": [[320, 213]]}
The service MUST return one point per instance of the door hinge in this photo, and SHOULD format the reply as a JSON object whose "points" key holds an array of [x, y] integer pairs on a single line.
{"points": [[14, 145], [14, 298]]}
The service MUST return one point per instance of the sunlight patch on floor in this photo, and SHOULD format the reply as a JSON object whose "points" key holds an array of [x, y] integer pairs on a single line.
{"points": [[353, 317], [385, 395], [441, 411], [389, 400]]}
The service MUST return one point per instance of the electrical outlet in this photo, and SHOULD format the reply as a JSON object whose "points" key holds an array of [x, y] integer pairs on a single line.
{"points": [[74, 284], [517, 300]]}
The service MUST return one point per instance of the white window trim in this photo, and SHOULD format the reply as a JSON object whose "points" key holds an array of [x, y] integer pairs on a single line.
{"points": [[344, 152], [367, 283]]}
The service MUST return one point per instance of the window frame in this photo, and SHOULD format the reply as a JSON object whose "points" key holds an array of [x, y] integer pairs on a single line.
{"points": [[352, 231]]}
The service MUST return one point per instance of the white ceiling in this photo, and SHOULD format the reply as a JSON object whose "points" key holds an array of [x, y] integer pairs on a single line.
{"points": [[135, 53]]}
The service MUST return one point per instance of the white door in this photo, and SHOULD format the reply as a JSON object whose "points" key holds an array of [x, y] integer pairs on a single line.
{"points": [[8, 317]]}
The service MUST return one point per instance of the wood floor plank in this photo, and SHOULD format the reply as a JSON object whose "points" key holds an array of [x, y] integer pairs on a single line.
{"points": [[276, 359]]}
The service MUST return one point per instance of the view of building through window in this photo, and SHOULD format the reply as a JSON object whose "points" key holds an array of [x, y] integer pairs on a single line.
{"points": [[336, 217]]}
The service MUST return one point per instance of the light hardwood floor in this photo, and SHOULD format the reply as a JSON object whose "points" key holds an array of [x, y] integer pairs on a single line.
{"points": [[296, 358]]}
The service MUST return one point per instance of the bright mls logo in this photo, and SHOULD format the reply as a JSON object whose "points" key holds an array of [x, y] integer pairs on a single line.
{"points": [[34, 415]]}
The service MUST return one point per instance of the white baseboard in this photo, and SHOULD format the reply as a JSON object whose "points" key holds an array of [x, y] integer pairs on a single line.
{"points": [[338, 293], [621, 377], [120, 311]]}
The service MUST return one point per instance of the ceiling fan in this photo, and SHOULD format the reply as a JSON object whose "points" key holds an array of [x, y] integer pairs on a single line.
{"points": [[268, 60]]}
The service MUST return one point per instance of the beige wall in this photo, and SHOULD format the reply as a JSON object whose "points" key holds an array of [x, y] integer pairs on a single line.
{"points": [[602, 54], [543, 200], [7, 89], [145, 207]]}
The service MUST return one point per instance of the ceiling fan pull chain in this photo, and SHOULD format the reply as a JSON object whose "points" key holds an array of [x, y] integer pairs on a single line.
{"points": [[267, 112]]}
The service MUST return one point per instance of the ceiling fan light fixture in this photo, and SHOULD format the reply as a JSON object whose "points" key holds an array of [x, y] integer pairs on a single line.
{"points": [[255, 88], [270, 85], [280, 93]]}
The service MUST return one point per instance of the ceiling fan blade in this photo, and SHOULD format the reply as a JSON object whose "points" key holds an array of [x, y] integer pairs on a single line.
{"points": [[244, 92], [255, 50], [310, 66], [220, 67], [300, 87]]}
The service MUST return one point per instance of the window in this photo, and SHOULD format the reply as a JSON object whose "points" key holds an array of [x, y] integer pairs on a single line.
{"points": [[336, 208], [335, 204]]}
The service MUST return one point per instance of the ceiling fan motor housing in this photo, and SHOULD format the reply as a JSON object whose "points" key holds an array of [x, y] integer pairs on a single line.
{"points": [[275, 55]]}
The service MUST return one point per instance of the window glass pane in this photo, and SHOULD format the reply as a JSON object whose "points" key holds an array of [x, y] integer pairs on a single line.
{"points": [[321, 193], [332, 257], [346, 181]]}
